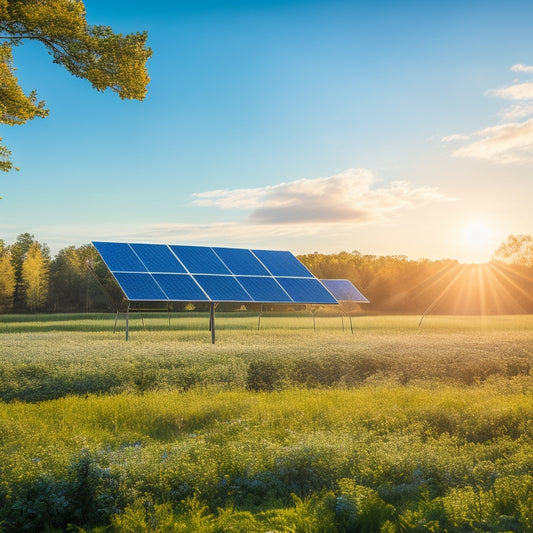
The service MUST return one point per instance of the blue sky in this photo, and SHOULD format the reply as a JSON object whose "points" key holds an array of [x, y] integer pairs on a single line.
{"points": [[384, 127]]}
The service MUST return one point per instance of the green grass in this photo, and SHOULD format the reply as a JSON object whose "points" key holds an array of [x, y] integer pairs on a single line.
{"points": [[394, 428]]}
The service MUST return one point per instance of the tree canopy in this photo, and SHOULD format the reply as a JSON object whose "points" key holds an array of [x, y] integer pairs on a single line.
{"points": [[77, 279], [106, 59], [516, 249]]}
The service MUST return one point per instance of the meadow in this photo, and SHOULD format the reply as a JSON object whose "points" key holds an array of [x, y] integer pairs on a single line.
{"points": [[393, 428]]}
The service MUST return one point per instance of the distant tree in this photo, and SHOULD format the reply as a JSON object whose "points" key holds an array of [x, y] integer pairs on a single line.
{"points": [[516, 249], [19, 251], [7, 281], [35, 277], [106, 59], [70, 285]]}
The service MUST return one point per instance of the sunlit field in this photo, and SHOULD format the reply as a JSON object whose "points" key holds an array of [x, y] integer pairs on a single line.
{"points": [[298, 426]]}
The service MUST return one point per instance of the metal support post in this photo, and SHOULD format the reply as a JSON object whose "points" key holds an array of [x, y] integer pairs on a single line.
{"points": [[259, 319], [115, 326], [212, 321], [128, 321]]}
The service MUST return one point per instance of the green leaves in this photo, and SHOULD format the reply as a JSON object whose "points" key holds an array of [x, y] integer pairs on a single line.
{"points": [[108, 60]]}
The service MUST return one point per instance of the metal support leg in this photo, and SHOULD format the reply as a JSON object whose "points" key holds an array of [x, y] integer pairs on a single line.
{"points": [[259, 319], [351, 325], [212, 321], [168, 309], [128, 322], [115, 326]]}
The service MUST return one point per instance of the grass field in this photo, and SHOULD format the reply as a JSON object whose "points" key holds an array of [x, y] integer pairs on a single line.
{"points": [[392, 428]]}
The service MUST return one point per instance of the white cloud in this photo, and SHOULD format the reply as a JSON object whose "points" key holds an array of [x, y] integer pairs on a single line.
{"points": [[231, 199], [346, 197], [518, 91], [522, 68], [516, 111], [295, 215], [506, 143], [509, 142], [456, 137]]}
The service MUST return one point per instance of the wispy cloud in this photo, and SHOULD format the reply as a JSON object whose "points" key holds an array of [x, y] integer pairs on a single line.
{"points": [[517, 111], [351, 196], [522, 68], [300, 213], [511, 141], [518, 91], [506, 143], [456, 137]]}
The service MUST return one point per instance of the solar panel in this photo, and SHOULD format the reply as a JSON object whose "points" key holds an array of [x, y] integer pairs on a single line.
{"points": [[160, 272], [344, 291], [264, 289], [158, 258], [282, 263], [241, 262], [180, 288], [139, 287], [119, 257], [307, 291], [200, 259], [223, 288]]}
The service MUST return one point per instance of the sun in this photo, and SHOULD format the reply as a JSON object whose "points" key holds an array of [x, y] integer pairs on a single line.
{"points": [[477, 234], [477, 239]]}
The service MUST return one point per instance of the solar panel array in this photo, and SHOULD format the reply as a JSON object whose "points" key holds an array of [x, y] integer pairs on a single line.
{"points": [[161, 272], [344, 290]]}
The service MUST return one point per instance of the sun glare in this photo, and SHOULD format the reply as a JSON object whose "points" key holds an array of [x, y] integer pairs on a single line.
{"points": [[477, 236]]}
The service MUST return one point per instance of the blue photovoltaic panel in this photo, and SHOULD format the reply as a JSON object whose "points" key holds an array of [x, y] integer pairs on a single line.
{"points": [[158, 258], [307, 290], [119, 257], [139, 286], [264, 289], [199, 260], [223, 288], [343, 290], [180, 288], [282, 263], [241, 262], [160, 272]]}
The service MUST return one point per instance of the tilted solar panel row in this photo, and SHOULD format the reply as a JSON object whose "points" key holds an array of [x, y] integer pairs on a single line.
{"points": [[344, 290], [160, 272]]}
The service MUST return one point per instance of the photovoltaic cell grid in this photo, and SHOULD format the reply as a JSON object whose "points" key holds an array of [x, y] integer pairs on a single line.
{"points": [[160, 272], [344, 290]]}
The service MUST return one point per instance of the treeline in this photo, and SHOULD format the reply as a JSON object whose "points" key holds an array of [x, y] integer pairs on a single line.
{"points": [[32, 281], [396, 284], [77, 280]]}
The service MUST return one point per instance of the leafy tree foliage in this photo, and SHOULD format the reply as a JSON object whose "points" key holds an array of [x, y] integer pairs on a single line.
{"points": [[7, 281], [396, 284], [19, 251], [517, 249], [106, 59], [80, 281], [35, 277], [72, 288]]}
